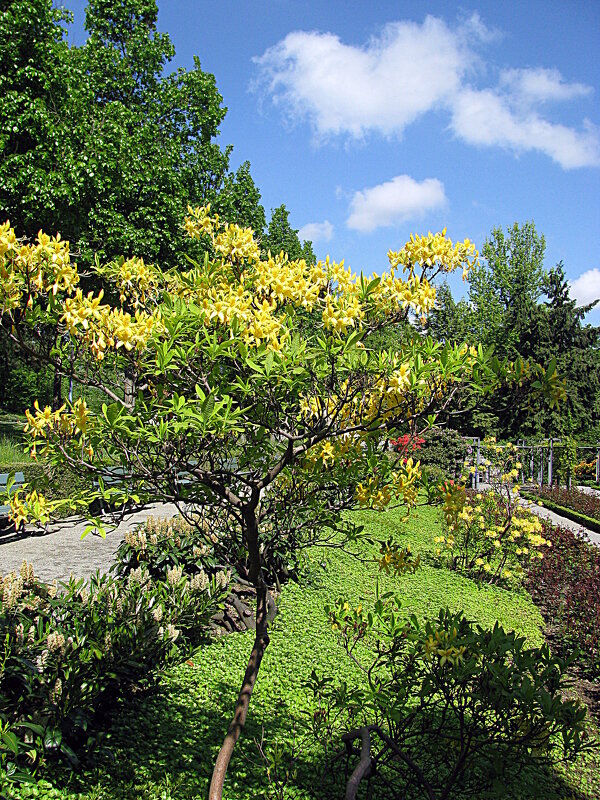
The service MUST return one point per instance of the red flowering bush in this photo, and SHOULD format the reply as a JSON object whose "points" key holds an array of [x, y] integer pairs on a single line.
{"points": [[407, 443]]}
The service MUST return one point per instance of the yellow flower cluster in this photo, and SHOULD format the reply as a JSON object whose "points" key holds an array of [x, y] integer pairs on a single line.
{"points": [[374, 493], [396, 560], [62, 423], [32, 506], [331, 451], [444, 645], [252, 291], [435, 250], [236, 244], [288, 281], [103, 327], [137, 281], [231, 242], [38, 423], [454, 498], [27, 270]]}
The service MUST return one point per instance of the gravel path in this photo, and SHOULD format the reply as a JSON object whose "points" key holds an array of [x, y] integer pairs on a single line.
{"points": [[61, 551]]}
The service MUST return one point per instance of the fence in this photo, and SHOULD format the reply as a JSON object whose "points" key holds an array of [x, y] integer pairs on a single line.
{"points": [[538, 461]]}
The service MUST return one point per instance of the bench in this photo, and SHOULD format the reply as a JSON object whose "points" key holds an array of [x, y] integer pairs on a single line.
{"points": [[18, 483], [111, 476]]}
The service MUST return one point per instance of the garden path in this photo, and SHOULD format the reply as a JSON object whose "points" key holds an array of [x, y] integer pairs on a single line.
{"points": [[545, 513], [589, 490], [60, 552]]}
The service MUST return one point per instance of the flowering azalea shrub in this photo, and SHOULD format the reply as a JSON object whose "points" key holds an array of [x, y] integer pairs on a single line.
{"points": [[246, 386], [69, 651], [407, 443], [585, 469], [489, 535], [566, 585], [447, 707]]}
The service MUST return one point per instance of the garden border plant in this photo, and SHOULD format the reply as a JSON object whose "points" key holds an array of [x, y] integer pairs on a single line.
{"points": [[71, 650], [562, 501], [566, 585], [448, 705], [490, 535]]}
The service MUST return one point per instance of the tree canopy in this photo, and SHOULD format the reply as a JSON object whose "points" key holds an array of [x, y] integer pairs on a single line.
{"points": [[523, 311], [105, 144], [101, 142]]}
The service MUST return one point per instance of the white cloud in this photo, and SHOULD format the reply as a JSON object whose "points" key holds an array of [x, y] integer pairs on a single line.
{"points": [[316, 232], [586, 288], [394, 201], [486, 118], [411, 69], [382, 86], [540, 85]]}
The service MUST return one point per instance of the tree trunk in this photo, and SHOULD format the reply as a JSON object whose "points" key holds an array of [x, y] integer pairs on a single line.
{"points": [[57, 389], [261, 641], [129, 386]]}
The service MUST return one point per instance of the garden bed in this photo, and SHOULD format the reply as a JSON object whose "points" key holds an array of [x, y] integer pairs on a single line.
{"points": [[572, 504]]}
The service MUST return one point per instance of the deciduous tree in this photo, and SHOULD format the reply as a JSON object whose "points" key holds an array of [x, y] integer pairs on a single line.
{"points": [[101, 142]]}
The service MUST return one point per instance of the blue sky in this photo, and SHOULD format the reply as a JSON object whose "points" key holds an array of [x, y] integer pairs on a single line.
{"points": [[374, 120]]}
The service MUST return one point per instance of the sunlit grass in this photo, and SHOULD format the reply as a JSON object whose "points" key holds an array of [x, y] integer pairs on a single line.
{"points": [[11, 452]]}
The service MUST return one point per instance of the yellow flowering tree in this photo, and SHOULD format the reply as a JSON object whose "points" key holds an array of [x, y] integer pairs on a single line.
{"points": [[234, 407]]}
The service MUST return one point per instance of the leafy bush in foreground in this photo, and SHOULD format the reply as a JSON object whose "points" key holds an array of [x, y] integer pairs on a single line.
{"points": [[449, 708], [566, 584], [69, 654]]}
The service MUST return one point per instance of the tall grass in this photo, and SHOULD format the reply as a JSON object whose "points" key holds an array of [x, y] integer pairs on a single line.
{"points": [[11, 452]]}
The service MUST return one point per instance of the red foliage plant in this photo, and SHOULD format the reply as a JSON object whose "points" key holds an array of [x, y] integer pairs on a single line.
{"points": [[566, 585]]}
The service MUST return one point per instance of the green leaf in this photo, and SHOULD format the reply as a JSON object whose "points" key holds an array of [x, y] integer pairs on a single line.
{"points": [[11, 741], [208, 406]]}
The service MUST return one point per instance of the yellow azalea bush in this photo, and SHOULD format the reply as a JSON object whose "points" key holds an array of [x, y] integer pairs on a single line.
{"points": [[245, 389], [585, 469], [490, 535], [444, 679], [256, 301]]}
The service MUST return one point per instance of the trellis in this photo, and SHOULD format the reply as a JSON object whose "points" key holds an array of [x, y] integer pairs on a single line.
{"points": [[539, 460]]}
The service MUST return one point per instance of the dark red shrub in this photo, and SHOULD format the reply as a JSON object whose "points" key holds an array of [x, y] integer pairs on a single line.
{"points": [[566, 585]]}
